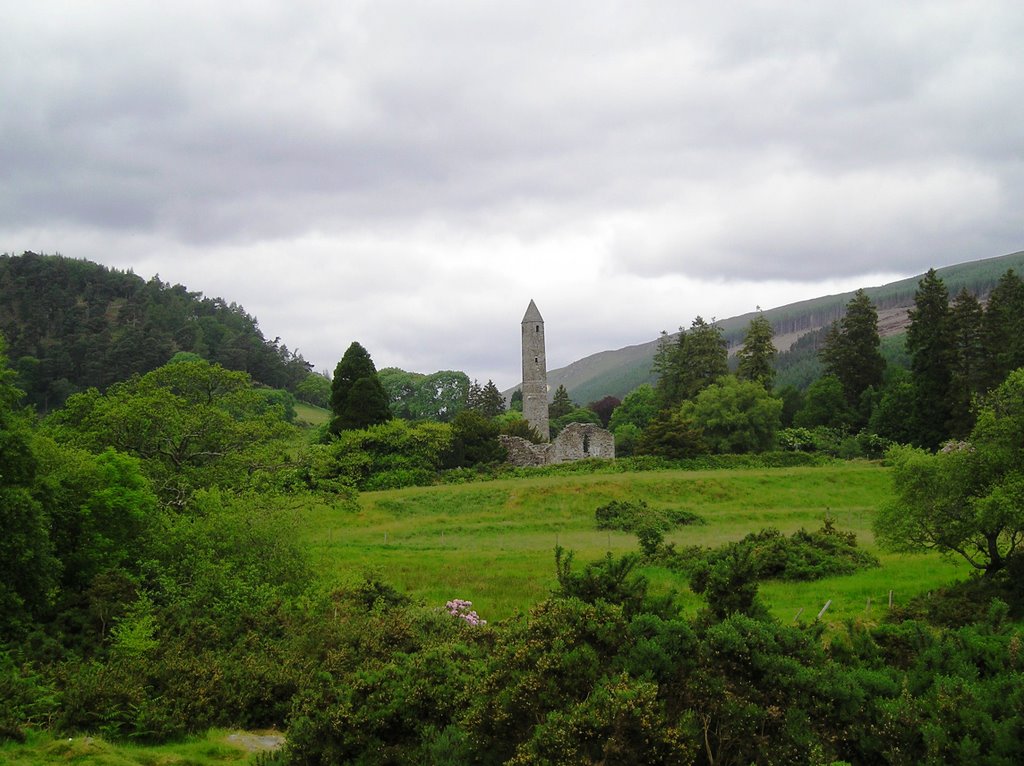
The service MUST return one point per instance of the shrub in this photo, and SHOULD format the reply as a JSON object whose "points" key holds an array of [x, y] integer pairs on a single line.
{"points": [[802, 556], [628, 516], [27, 697]]}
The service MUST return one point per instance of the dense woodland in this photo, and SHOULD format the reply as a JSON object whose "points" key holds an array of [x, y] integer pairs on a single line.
{"points": [[152, 585], [71, 325]]}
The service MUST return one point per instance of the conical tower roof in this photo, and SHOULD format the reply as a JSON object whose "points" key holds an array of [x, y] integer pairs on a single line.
{"points": [[532, 313]]}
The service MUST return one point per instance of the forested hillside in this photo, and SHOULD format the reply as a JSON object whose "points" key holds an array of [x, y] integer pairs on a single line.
{"points": [[72, 324], [618, 372]]}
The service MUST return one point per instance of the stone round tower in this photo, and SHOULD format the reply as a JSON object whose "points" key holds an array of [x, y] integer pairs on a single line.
{"points": [[535, 372]]}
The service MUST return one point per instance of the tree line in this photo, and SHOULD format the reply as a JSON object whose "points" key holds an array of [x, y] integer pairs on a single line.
{"points": [[71, 325]]}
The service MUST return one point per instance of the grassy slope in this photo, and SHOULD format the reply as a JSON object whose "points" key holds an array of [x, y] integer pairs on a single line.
{"points": [[307, 414], [493, 542]]}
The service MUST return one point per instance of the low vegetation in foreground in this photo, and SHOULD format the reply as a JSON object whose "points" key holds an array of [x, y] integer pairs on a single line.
{"points": [[180, 555]]}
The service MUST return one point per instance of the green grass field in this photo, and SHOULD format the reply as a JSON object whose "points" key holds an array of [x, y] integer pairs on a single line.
{"points": [[308, 415], [215, 747], [493, 542]]}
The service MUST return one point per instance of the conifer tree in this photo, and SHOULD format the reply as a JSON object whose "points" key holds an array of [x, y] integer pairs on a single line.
{"points": [[705, 357], [561, 404], [697, 359], [850, 352], [967, 372], [1003, 329], [930, 346], [475, 395], [757, 356], [667, 368], [357, 406], [491, 403]]}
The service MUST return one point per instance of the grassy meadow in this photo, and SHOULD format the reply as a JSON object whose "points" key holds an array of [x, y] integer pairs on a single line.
{"points": [[493, 543], [214, 747], [308, 415]]}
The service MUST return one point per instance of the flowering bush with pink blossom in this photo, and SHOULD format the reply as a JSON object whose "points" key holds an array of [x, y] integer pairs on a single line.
{"points": [[462, 609]]}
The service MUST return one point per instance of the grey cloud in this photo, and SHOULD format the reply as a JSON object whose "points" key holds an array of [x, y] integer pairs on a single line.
{"points": [[785, 141]]}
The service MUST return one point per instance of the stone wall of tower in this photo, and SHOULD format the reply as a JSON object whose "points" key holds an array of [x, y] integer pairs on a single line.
{"points": [[535, 372]]}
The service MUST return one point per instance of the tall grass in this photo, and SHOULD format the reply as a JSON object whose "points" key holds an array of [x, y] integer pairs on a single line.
{"points": [[214, 747], [493, 542]]}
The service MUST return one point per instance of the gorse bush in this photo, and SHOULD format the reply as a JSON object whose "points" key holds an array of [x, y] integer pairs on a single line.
{"points": [[630, 516], [601, 673], [801, 556]]}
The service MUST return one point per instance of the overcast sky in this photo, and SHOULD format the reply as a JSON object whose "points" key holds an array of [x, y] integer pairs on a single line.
{"points": [[410, 174]]}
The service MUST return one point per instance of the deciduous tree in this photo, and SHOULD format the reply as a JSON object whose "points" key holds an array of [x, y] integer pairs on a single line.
{"points": [[825, 405], [28, 570], [735, 416], [193, 424], [314, 389], [575, 415], [604, 408], [639, 406], [968, 499]]}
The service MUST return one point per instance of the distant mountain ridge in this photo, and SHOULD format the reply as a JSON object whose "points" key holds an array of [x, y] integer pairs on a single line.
{"points": [[616, 373]]}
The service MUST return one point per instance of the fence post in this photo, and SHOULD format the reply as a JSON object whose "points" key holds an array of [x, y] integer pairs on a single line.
{"points": [[827, 605]]}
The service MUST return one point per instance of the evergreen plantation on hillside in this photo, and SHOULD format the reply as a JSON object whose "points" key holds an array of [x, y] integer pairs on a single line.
{"points": [[618, 372]]}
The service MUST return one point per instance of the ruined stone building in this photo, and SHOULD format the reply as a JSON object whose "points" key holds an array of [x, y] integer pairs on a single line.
{"points": [[577, 440]]}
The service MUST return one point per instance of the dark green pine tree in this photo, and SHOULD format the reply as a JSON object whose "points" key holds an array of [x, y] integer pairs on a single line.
{"points": [[367, 405], [1003, 329], [561, 404], [757, 356], [851, 349], [492, 403], [697, 358], [475, 396], [930, 345], [667, 368], [967, 371], [358, 399], [704, 358]]}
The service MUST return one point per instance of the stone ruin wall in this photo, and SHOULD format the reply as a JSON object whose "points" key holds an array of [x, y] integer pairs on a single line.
{"points": [[576, 441], [523, 452]]}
